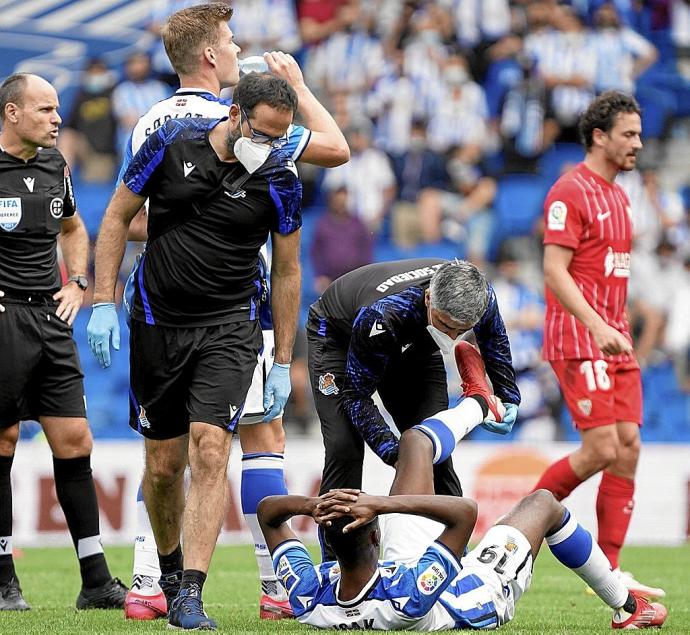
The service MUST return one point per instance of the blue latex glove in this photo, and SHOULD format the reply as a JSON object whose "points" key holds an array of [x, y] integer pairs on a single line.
{"points": [[506, 425], [276, 390], [102, 324]]}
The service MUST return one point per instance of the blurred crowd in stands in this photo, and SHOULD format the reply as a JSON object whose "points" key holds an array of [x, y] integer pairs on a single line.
{"points": [[460, 114]]}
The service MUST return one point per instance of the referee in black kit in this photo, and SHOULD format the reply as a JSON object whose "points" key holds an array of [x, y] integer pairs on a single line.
{"points": [[40, 376]]}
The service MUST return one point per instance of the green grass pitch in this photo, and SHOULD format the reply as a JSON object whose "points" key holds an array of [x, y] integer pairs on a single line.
{"points": [[556, 603]]}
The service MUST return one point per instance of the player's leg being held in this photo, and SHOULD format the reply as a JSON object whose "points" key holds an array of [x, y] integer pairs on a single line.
{"points": [[71, 443], [448, 427], [11, 598]]}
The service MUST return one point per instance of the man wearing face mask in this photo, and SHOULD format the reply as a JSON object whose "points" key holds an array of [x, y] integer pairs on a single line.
{"points": [[216, 189], [88, 139], [379, 329], [201, 48]]}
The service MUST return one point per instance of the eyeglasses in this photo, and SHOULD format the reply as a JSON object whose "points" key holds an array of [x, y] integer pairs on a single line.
{"points": [[262, 137]]}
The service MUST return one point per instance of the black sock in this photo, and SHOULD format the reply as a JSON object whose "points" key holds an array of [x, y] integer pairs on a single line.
{"points": [[77, 495], [192, 577], [172, 562], [482, 404], [630, 605], [6, 562]]}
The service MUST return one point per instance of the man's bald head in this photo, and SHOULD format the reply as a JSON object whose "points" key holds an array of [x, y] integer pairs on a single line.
{"points": [[29, 110], [19, 87]]}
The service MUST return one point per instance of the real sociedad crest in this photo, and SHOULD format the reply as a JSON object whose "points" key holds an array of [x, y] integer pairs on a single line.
{"points": [[10, 213], [327, 384]]}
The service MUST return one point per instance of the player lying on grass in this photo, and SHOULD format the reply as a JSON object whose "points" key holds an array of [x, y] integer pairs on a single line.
{"points": [[423, 584]]}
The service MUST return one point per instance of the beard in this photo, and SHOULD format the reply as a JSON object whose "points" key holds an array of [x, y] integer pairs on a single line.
{"points": [[233, 136]]}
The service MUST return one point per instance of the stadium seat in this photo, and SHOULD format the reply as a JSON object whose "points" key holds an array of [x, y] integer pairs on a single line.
{"points": [[658, 106], [557, 156], [518, 205]]}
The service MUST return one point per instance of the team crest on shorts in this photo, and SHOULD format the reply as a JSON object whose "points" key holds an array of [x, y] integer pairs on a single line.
{"points": [[511, 545], [143, 421], [327, 384], [430, 579], [585, 406]]}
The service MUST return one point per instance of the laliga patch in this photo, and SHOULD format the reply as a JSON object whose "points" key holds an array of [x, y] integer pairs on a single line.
{"points": [[585, 406], [556, 216], [327, 385], [285, 573], [431, 578], [10, 213]]}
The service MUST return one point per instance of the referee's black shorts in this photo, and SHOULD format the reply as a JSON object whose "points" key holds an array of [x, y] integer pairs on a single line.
{"points": [[40, 374], [180, 375]]}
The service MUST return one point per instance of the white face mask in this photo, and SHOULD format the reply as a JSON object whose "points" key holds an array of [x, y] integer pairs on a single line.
{"points": [[443, 341], [250, 154]]}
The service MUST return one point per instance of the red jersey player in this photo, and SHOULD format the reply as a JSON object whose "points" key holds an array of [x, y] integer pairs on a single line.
{"points": [[587, 244]]}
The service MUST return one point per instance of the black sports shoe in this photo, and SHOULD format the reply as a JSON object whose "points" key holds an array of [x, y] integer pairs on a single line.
{"points": [[110, 595], [170, 585], [11, 597]]}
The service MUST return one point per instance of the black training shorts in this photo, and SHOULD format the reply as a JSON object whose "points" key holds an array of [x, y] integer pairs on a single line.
{"points": [[180, 375], [40, 375]]}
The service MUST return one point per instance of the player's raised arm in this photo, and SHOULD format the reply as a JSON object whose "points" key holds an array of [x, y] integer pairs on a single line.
{"points": [[327, 146]]}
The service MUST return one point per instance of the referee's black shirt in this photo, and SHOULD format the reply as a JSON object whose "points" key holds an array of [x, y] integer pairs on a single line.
{"points": [[35, 196]]}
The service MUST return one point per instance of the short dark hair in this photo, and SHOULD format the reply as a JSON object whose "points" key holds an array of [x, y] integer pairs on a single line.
{"points": [[602, 113], [351, 547], [264, 88], [12, 91]]}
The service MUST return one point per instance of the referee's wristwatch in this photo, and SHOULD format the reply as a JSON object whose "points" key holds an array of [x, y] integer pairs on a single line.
{"points": [[82, 281]]}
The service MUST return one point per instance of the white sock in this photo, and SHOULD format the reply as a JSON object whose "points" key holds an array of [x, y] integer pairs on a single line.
{"points": [[448, 427], [145, 554], [574, 547]]}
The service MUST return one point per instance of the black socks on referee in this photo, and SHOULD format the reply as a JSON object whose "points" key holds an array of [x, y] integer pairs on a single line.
{"points": [[6, 562], [76, 493]]}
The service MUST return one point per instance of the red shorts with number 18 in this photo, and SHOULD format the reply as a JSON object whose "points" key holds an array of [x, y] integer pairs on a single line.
{"points": [[600, 393]]}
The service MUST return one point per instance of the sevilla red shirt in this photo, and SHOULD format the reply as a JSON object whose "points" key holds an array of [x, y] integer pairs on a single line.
{"points": [[591, 216]]}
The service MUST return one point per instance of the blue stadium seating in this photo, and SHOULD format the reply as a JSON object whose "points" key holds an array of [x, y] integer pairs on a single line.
{"points": [[518, 205], [557, 157]]}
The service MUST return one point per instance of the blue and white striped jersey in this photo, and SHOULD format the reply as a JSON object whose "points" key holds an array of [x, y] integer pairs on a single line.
{"points": [[430, 595]]}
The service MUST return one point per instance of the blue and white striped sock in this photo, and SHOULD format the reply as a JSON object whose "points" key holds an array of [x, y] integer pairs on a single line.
{"points": [[446, 428], [262, 475], [574, 547]]}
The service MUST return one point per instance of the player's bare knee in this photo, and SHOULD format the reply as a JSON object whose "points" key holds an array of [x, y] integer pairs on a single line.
{"points": [[74, 445], [210, 462], [412, 438], [599, 457]]}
